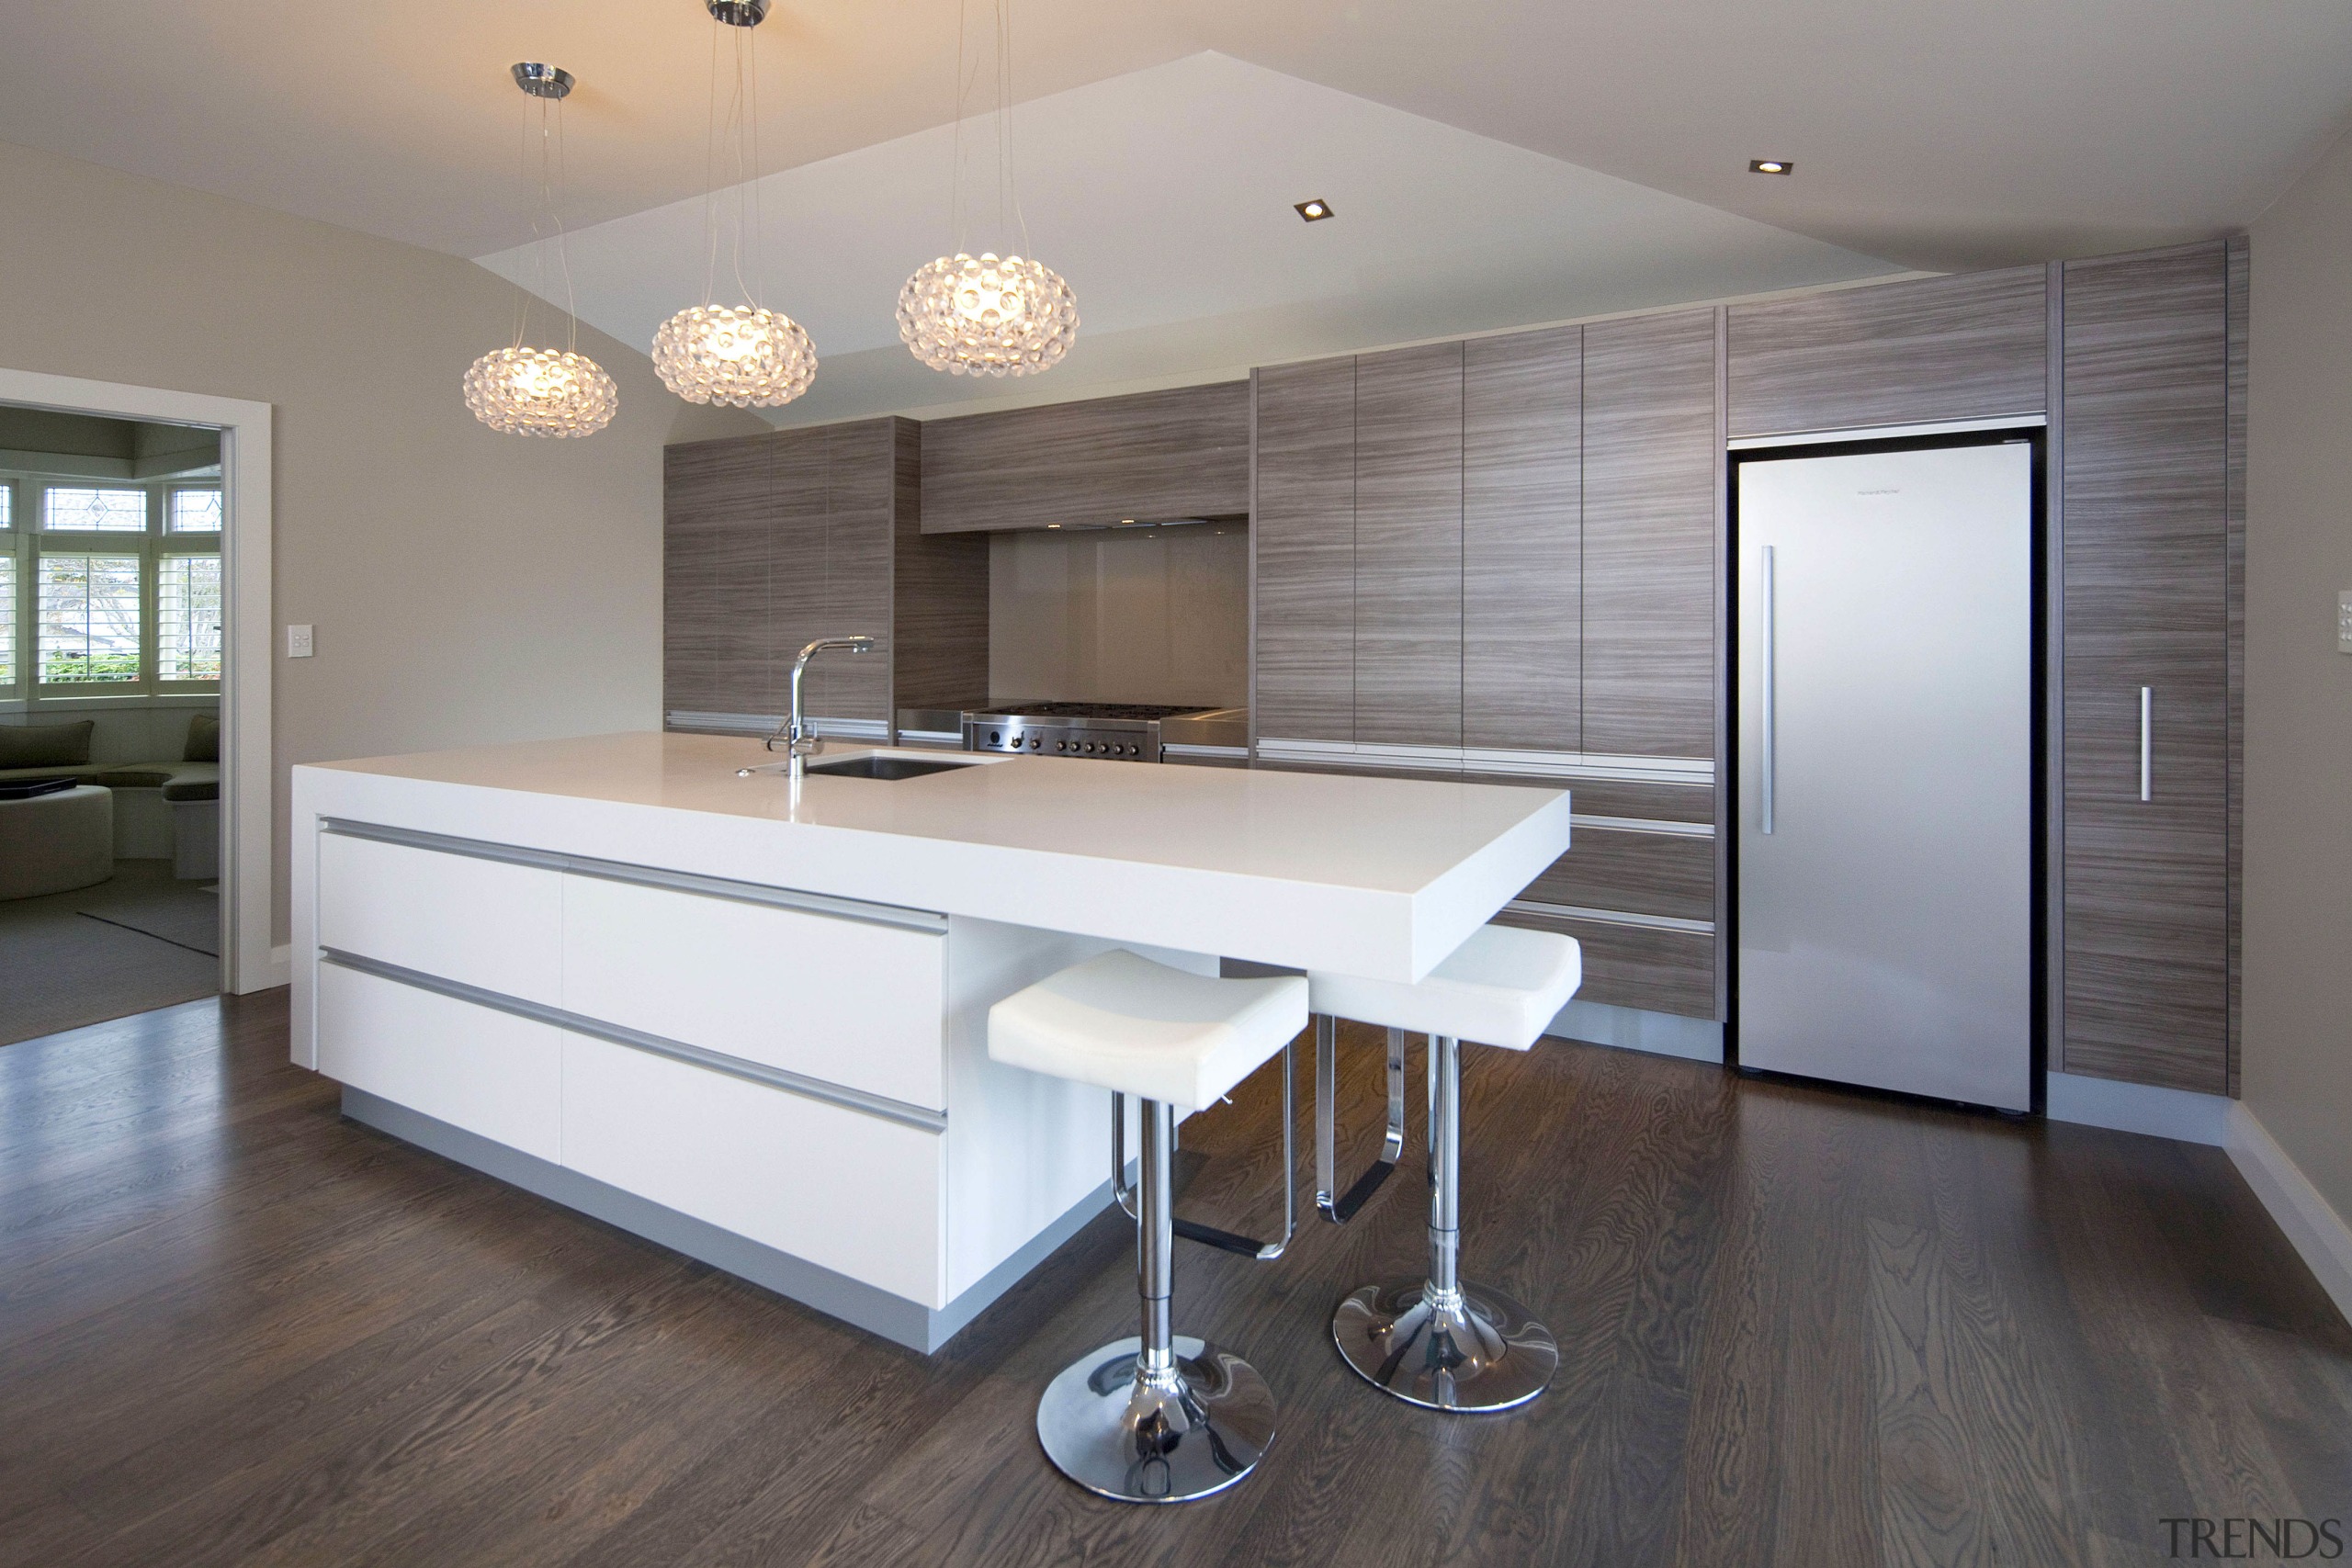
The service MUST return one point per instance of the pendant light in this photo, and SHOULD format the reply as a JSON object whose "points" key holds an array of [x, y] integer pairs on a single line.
{"points": [[984, 315], [746, 355], [543, 392]]}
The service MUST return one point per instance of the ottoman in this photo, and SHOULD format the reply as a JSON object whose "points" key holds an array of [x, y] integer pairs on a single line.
{"points": [[54, 843]]}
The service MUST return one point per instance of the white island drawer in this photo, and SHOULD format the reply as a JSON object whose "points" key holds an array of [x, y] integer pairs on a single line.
{"points": [[846, 1001], [487, 1072], [853, 1193], [485, 922]]}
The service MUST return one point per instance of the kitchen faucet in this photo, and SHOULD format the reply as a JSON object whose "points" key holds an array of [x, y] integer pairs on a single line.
{"points": [[799, 744]]}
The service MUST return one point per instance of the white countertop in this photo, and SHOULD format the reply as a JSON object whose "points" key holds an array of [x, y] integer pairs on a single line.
{"points": [[1374, 876]]}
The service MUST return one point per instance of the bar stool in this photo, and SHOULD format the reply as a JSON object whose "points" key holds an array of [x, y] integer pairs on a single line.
{"points": [[1156, 1417], [1435, 1341]]}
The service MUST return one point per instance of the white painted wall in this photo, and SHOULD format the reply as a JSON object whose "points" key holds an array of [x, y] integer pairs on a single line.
{"points": [[466, 586], [2297, 1050]]}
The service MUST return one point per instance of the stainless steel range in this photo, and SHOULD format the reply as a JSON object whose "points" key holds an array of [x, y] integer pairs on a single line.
{"points": [[1127, 732]]}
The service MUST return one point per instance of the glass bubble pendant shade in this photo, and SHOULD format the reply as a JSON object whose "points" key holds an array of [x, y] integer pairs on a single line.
{"points": [[742, 355], [747, 358], [982, 316], [541, 391]]}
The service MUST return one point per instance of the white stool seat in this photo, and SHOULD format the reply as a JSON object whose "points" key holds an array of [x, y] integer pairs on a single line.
{"points": [[1122, 1022], [1503, 987]]}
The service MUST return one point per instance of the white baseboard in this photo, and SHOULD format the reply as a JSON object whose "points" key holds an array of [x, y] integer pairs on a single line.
{"points": [[2173, 1114], [2316, 1231], [2312, 1223], [1631, 1029]]}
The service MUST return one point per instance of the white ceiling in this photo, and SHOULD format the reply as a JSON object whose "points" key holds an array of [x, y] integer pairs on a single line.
{"points": [[1931, 136], [1164, 197]]}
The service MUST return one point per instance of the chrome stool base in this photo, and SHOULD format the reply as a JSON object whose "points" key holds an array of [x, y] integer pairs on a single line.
{"points": [[1120, 1437], [1484, 1352]]}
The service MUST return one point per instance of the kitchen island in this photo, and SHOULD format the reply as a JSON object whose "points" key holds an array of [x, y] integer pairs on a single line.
{"points": [[651, 978]]}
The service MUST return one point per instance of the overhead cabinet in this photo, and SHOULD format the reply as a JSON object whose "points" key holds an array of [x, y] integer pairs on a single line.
{"points": [[772, 541], [1151, 458], [1971, 346]]}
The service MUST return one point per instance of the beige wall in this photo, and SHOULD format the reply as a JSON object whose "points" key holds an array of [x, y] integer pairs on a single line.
{"points": [[466, 586], [2297, 1053], [1121, 616]]}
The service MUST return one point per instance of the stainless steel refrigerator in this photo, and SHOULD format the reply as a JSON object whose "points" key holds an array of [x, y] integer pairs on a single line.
{"points": [[1884, 827]]}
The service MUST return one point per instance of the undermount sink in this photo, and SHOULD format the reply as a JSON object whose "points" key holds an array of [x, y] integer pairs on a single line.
{"points": [[874, 765]]}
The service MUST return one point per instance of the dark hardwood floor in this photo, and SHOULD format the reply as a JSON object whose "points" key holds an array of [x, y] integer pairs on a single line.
{"points": [[1798, 1328]]}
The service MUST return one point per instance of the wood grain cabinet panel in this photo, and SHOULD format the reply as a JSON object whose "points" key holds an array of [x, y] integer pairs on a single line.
{"points": [[1633, 873], [717, 652], [1523, 540], [1303, 538], [1408, 546], [1650, 452], [1152, 456], [1637, 967], [2146, 476], [1972, 345], [770, 542]]}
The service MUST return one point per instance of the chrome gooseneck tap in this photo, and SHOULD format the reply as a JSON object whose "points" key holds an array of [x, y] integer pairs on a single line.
{"points": [[800, 744]]}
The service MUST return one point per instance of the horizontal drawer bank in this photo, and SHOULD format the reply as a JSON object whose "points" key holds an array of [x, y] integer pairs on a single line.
{"points": [[790, 1086]]}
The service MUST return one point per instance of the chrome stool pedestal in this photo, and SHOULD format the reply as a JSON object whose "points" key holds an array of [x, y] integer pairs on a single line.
{"points": [[1434, 1341], [1156, 1417]]}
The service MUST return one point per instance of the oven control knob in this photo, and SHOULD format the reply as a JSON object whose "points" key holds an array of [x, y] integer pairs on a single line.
{"points": [[995, 738], [1035, 741]]}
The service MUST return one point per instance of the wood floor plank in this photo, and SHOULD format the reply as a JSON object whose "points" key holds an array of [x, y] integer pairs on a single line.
{"points": [[1799, 1329]]}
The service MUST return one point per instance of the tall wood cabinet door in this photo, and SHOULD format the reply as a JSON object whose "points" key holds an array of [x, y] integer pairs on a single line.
{"points": [[798, 583], [717, 652], [1650, 535], [1523, 540], [855, 558], [1408, 546], [1303, 535], [2146, 475]]}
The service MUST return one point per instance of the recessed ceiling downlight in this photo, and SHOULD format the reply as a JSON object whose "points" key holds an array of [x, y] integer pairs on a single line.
{"points": [[1771, 166], [1314, 211]]}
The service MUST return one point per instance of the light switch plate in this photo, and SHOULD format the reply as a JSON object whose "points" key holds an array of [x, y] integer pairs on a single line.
{"points": [[2343, 622], [298, 642]]}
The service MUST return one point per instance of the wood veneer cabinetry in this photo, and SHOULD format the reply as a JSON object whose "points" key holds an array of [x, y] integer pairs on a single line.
{"points": [[1408, 546], [1152, 456], [1971, 346], [2147, 461], [1303, 538], [771, 541], [1651, 451], [1523, 540]]}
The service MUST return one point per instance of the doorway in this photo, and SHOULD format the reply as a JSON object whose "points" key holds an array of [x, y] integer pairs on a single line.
{"points": [[134, 800]]}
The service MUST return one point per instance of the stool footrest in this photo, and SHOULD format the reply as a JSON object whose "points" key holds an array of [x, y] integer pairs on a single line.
{"points": [[1366, 1185], [1226, 1241]]}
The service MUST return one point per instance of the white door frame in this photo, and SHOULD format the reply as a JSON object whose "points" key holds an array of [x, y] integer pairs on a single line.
{"points": [[248, 961]]}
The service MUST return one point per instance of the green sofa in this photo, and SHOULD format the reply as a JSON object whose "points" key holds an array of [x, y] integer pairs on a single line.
{"points": [[62, 752]]}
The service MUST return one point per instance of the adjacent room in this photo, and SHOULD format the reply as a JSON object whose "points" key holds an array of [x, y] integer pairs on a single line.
{"points": [[1017, 783], [109, 719]]}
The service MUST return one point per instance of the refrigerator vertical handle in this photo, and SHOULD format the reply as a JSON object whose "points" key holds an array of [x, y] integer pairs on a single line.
{"points": [[2147, 715], [1764, 791]]}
